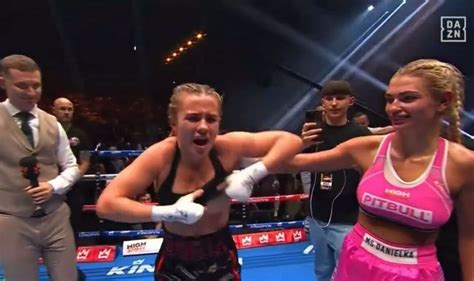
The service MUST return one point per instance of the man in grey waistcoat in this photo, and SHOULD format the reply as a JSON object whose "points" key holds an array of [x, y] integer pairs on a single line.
{"points": [[34, 220]]}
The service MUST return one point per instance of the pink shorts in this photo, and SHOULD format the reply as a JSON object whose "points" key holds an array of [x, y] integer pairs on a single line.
{"points": [[366, 257]]}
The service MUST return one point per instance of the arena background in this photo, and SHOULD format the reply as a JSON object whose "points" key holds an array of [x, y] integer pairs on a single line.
{"points": [[266, 57]]}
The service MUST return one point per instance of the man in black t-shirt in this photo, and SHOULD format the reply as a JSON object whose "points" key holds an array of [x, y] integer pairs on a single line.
{"points": [[333, 200], [63, 109]]}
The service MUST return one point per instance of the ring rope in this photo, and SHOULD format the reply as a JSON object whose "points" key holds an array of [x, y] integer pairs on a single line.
{"points": [[262, 199], [159, 232], [95, 177], [116, 153]]}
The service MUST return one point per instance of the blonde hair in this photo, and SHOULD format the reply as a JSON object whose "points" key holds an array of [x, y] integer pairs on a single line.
{"points": [[19, 62], [441, 77], [190, 89]]}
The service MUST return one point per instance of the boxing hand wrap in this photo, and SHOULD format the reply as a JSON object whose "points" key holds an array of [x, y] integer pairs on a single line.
{"points": [[240, 184], [183, 211]]}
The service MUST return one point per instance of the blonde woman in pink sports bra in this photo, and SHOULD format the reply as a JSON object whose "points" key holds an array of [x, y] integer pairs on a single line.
{"points": [[412, 180]]}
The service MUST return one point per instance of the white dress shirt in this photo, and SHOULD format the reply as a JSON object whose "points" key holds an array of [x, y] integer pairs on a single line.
{"points": [[69, 171]]}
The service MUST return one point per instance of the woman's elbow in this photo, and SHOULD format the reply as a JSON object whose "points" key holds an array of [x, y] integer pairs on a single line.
{"points": [[296, 140], [103, 207]]}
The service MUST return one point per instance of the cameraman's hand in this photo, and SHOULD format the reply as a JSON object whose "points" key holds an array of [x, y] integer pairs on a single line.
{"points": [[310, 133]]}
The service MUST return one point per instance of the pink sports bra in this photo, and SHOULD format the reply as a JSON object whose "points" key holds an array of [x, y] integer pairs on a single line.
{"points": [[424, 203]]}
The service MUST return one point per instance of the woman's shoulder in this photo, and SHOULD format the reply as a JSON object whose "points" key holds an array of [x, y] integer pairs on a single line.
{"points": [[161, 149], [460, 164], [227, 150], [168, 142], [227, 141], [460, 156], [224, 144], [233, 142]]}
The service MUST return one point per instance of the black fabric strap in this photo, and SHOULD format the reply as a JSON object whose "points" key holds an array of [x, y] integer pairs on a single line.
{"points": [[210, 188], [166, 196]]}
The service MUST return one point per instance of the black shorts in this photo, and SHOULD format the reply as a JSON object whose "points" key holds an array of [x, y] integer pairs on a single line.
{"points": [[209, 257]]}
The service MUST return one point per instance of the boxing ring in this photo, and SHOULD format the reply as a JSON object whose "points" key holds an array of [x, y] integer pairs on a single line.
{"points": [[278, 263], [267, 251]]}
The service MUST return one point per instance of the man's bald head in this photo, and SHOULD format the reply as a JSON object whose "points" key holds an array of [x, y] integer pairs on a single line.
{"points": [[61, 101], [63, 109]]}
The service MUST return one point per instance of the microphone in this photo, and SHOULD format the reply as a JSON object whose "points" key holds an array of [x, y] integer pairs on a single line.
{"points": [[30, 169]]}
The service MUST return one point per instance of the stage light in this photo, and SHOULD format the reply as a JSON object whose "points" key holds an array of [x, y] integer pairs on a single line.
{"points": [[190, 42], [181, 49], [370, 8], [199, 36]]}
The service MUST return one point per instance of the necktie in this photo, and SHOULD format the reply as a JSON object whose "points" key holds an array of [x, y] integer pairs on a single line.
{"points": [[25, 125]]}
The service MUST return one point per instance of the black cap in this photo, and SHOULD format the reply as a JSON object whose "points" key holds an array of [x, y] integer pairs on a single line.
{"points": [[336, 87]]}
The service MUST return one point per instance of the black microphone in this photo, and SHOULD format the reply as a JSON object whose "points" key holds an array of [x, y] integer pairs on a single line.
{"points": [[30, 169]]}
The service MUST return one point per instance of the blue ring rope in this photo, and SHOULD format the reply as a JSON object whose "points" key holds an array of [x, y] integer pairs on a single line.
{"points": [[116, 153], [159, 232]]}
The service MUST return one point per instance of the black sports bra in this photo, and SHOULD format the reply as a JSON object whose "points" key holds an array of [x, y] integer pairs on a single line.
{"points": [[165, 195]]}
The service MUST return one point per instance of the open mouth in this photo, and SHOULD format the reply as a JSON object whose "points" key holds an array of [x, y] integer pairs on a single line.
{"points": [[200, 142], [398, 119]]}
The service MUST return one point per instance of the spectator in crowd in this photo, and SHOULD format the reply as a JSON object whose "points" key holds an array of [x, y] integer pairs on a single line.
{"points": [[363, 120]]}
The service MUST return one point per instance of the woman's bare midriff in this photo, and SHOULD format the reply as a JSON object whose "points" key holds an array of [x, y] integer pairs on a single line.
{"points": [[396, 233]]}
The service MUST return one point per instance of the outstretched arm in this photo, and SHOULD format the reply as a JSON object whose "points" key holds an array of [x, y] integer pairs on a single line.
{"points": [[329, 160], [381, 130], [357, 152], [272, 147]]}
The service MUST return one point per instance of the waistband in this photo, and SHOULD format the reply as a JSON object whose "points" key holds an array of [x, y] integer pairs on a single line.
{"points": [[173, 236], [392, 252], [38, 213], [197, 247]]}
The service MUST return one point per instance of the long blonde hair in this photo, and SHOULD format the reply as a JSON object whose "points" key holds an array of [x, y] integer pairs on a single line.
{"points": [[190, 89], [441, 77]]}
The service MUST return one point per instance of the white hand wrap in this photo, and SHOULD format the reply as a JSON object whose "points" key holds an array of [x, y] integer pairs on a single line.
{"points": [[240, 184], [183, 211]]}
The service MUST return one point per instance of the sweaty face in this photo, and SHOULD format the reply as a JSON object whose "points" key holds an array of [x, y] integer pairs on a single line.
{"points": [[63, 110], [23, 88], [409, 103], [197, 123]]}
